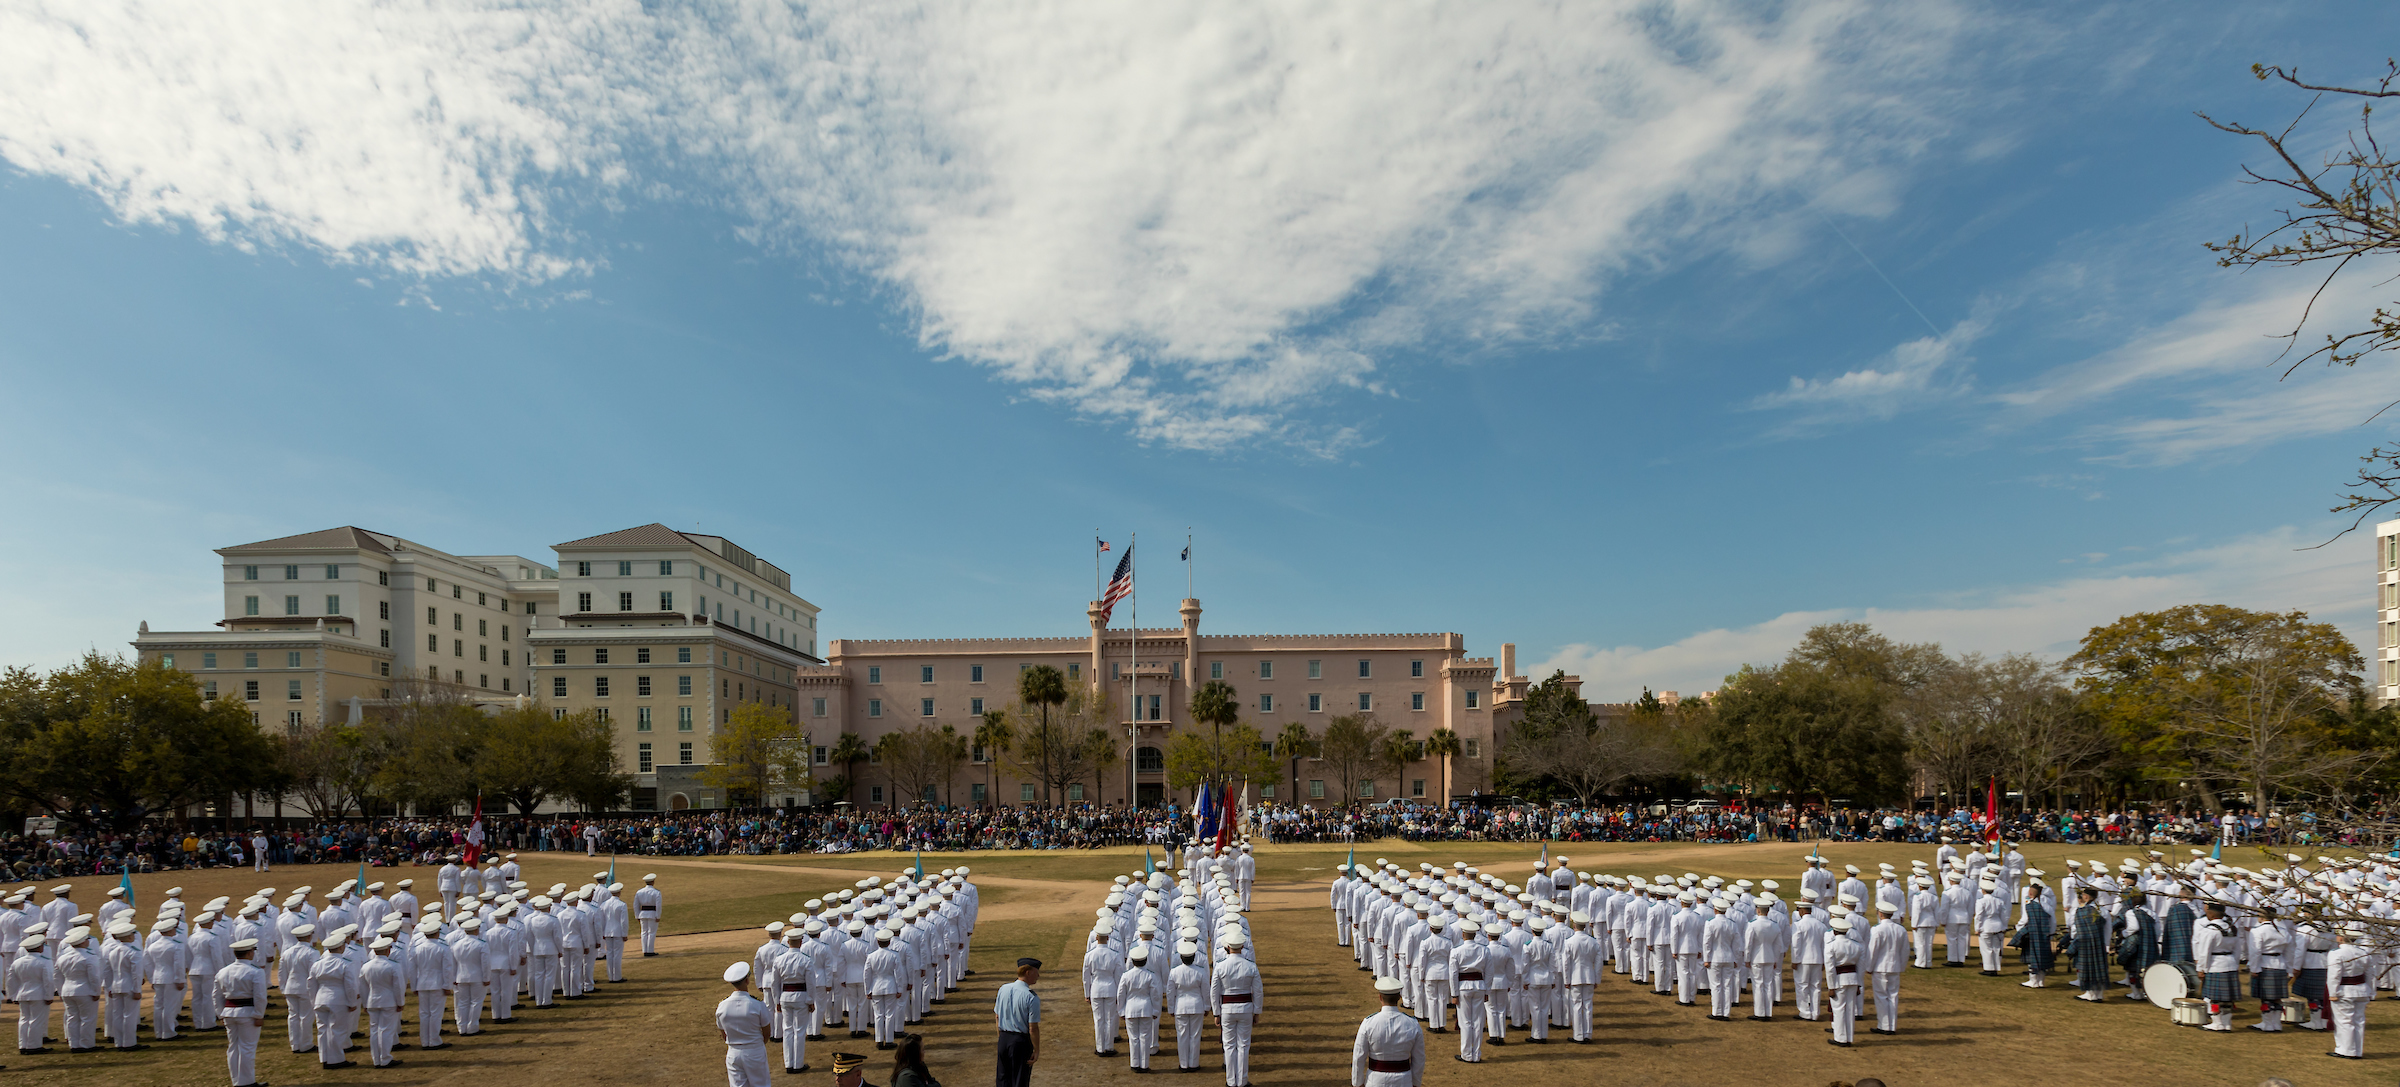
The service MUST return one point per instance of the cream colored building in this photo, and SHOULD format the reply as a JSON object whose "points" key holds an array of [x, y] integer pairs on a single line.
{"points": [[2383, 668]]}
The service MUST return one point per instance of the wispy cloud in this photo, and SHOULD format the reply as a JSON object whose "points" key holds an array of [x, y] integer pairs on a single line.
{"points": [[2270, 571], [1193, 222], [1915, 373]]}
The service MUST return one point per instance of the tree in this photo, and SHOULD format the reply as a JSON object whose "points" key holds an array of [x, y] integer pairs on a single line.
{"points": [[521, 761], [105, 742], [591, 774], [995, 736], [1817, 724], [849, 751], [1100, 754], [2222, 696], [329, 768], [432, 737], [919, 761], [1562, 745], [760, 748], [1053, 747], [2345, 210], [1353, 750], [1234, 752], [1443, 744], [1293, 744]]}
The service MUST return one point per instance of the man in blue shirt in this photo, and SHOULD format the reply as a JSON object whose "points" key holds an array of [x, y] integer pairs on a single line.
{"points": [[1020, 1014]]}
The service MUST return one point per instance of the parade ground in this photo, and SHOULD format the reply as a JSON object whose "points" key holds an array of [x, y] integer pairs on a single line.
{"points": [[1956, 1027]]}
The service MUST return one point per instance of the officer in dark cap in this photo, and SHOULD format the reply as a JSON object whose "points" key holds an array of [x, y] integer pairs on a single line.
{"points": [[848, 1070], [1020, 1014]]}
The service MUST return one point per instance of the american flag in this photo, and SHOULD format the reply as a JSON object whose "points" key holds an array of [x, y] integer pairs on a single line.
{"points": [[1120, 586], [1104, 547]]}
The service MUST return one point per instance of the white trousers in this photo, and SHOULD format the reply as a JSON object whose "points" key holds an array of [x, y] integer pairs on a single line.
{"points": [[886, 1015], [854, 1006], [1141, 1036], [649, 936], [468, 1001], [1233, 1030], [241, 1051], [1579, 1011], [1887, 999], [1723, 986], [1808, 987], [1687, 978], [124, 1018], [746, 1066], [33, 1021], [333, 1033], [203, 988], [1495, 1012], [1766, 987], [300, 1024], [1537, 1001], [1341, 928], [503, 988], [383, 1031], [1187, 1039], [1845, 1009], [794, 1018], [1470, 1008], [615, 946], [1635, 960], [1104, 1024], [1991, 943], [2350, 1027], [429, 1017], [1954, 948], [1433, 999], [83, 1021], [1921, 942], [544, 984]]}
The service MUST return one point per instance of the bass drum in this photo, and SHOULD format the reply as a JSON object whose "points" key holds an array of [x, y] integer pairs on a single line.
{"points": [[2164, 982]]}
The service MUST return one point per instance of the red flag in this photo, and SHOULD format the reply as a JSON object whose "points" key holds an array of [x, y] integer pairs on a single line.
{"points": [[1991, 810], [1225, 819], [475, 835]]}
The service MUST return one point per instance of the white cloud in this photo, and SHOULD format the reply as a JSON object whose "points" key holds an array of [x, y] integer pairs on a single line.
{"points": [[1912, 374], [2270, 572], [1195, 221]]}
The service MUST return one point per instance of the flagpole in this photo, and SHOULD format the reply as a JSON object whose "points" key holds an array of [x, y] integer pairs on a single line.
{"points": [[1187, 562], [1133, 666]]}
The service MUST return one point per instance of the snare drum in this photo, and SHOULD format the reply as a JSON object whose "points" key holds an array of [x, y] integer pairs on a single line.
{"points": [[2190, 1011]]}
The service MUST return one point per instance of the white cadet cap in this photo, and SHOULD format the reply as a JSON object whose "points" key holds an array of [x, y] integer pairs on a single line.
{"points": [[382, 943], [1387, 985], [737, 972], [651, 878]]}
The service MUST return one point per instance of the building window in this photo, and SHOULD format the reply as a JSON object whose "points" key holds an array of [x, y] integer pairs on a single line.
{"points": [[975, 673], [558, 656], [433, 616], [641, 688], [249, 690], [483, 628], [291, 573], [874, 674], [333, 605], [874, 707], [599, 656], [1149, 760], [458, 648], [975, 794], [249, 573], [1472, 697], [558, 686], [924, 707], [1175, 669], [291, 722], [624, 601], [583, 569], [249, 660], [384, 668], [1364, 670], [583, 601], [975, 706], [874, 794], [1075, 793], [683, 654], [1416, 787], [1266, 669], [291, 605], [1266, 792], [385, 638], [819, 755], [1216, 669], [683, 754], [1266, 703], [503, 684], [683, 718], [1366, 790], [641, 719], [1365, 701], [1474, 749], [641, 755], [383, 577], [641, 656], [483, 679], [483, 652], [666, 567], [249, 605], [1025, 793], [208, 691], [458, 620], [1316, 669], [333, 571], [624, 568], [1115, 671], [600, 686], [1316, 788], [1154, 707], [167, 660], [1416, 700], [291, 659], [208, 660], [666, 601], [291, 690], [816, 707], [925, 674], [683, 686], [383, 609], [1316, 703], [457, 591]]}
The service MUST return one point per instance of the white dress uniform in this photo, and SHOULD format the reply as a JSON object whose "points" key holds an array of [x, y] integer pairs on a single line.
{"points": [[1765, 944], [1101, 968], [886, 973], [1139, 993], [386, 987], [1887, 955], [470, 972], [1581, 962], [1841, 959], [541, 951], [30, 980], [242, 993], [1236, 996], [336, 984], [744, 1020], [125, 970], [80, 983], [2350, 983], [788, 980], [431, 969], [1187, 1001], [648, 907], [1389, 1051]]}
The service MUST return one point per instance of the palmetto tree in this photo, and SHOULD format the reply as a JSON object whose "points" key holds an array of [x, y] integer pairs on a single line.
{"points": [[1443, 744], [848, 751], [1291, 745], [995, 735]]}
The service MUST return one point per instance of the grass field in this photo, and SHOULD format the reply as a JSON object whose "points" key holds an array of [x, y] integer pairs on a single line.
{"points": [[1956, 1027]]}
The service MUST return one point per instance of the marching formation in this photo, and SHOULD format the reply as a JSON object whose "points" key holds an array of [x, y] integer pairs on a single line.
{"points": [[1176, 947], [345, 961], [874, 957]]}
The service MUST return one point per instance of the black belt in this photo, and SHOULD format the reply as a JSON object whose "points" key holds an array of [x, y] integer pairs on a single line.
{"points": [[1852, 969], [1234, 998], [1470, 975], [1374, 1065], [232, 1003], [795, 988], [2355, 979]]}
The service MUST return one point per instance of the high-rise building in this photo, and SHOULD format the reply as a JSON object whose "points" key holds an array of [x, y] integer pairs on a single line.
{"points": [[2384, 671]]}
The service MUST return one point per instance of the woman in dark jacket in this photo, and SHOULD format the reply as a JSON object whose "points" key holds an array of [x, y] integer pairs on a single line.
{"points": [[908, 1064]]}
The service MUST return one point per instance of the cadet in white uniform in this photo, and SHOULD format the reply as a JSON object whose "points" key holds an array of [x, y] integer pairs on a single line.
{"points": [[1237, 997], [386, 986], [742, 1021], [648, 908], [1390, 1048], [1841, 957], [1138, 996], [2349, 982], [242, 991]]}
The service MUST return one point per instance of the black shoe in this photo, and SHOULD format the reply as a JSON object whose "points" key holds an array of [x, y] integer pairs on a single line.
{"points": [[1687, 1003], [1463, 1060], [858, 1034], [131, 1048], [1762, 1018], [1720, 1018], [1832, 1041], [37, 1049], [970, 973], [393, 1063], [885, 1045], [444, 1045], [1880, 1030], [344, 1064], [85, 1049], [1141, 1071], [2345, 1056], [1989, 973], [649, 954], [816, 1037]]}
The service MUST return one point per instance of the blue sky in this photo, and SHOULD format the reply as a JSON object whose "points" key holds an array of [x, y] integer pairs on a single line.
{"points": [[1643, 337]]}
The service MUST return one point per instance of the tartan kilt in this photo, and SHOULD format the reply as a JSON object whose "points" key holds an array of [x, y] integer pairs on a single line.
{"points": [[2311, 983], [2271, 985], [2223, 988]]}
